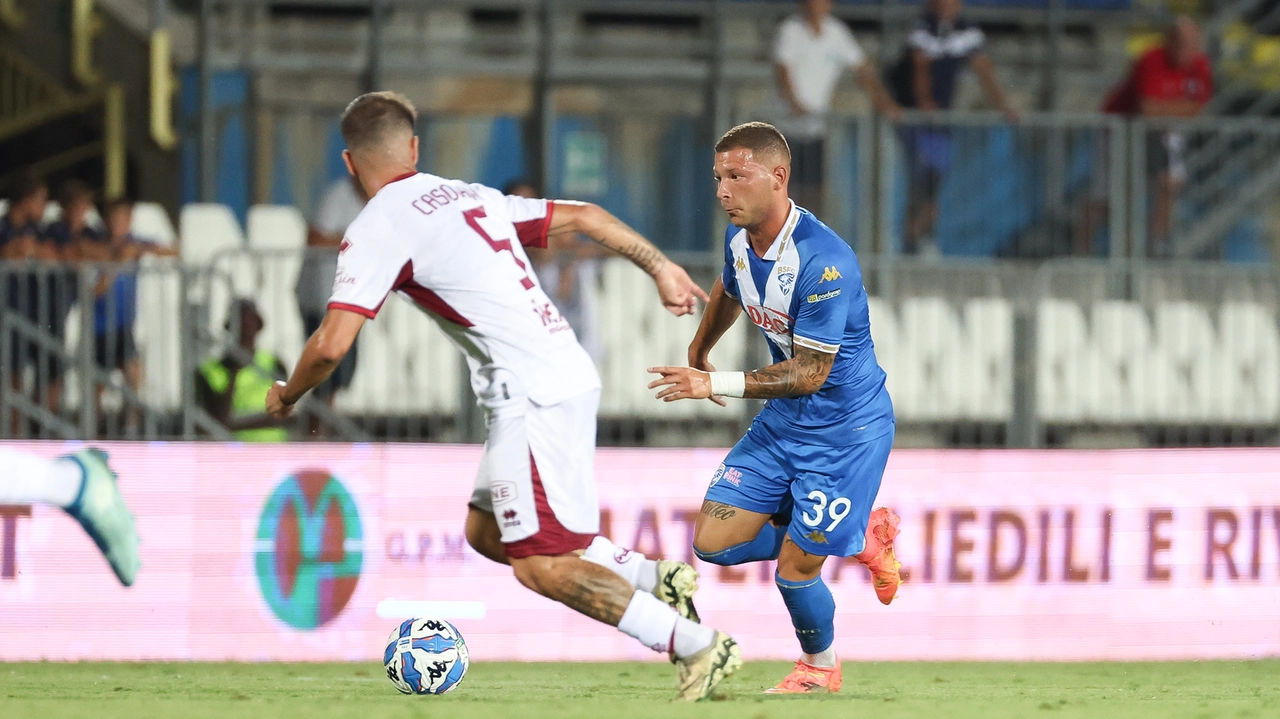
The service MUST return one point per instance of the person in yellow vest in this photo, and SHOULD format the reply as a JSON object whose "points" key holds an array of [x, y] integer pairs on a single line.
{"points": [[233, 388]]}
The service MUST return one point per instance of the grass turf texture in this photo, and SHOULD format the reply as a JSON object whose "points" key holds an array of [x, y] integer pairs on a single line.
{"points": [[621, 691]]}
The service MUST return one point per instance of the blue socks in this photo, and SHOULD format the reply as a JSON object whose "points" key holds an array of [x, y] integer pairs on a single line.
{"points": [[813, 612], [766, 545]]}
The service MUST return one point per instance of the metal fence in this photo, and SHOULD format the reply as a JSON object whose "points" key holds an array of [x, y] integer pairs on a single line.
{"points": [[1007, 354]]}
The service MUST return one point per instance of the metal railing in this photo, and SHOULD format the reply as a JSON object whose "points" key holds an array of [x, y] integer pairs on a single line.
{"points": [[1008, 354]]}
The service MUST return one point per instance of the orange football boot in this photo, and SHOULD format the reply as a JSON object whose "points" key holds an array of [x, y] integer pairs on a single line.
{"points": [[808, 679], [878, 555]]}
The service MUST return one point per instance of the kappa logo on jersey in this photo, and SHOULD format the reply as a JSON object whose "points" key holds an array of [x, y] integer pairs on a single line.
{"points": [[816, 537], [786, 278], [829, 274], [769, 320], [344, 246], [740, 265], [823, 296]]}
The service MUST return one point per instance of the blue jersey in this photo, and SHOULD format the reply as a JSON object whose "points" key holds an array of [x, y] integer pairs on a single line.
{"points": [[807, 291]]}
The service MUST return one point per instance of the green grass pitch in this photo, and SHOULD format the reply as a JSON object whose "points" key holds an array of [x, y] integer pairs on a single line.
{"points": [[623, 691]]}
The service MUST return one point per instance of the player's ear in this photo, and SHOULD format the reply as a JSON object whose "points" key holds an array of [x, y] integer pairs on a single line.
{"points": [[350, 163], [781, 174], [413, 149]]}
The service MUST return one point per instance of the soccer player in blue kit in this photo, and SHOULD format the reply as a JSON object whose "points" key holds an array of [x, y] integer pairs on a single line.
{"points": [[799, 487]]}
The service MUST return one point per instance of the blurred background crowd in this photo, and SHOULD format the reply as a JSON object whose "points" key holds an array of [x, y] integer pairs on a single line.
{"points": [[1062, 207]]}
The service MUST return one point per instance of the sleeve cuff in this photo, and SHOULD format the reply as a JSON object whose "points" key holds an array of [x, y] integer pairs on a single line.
{"points": [[815, 345], [353, 308]]}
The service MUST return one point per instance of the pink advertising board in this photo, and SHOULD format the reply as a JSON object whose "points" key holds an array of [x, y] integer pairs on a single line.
{"points": [[314, 552]]}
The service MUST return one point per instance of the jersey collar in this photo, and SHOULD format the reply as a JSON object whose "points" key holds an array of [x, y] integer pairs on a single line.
{"points": [[779, 242]]}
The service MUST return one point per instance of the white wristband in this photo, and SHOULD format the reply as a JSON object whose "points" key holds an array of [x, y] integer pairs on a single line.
{"points": [[728, 384]]}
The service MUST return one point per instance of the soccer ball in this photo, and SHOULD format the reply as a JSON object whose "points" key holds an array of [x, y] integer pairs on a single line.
{"points": [[426, 655]]}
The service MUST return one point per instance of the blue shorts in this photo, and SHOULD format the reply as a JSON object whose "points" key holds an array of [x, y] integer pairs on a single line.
{"points": [[828, 491]]}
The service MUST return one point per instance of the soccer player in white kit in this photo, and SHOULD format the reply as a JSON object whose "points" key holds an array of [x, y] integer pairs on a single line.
{"points": [[457, 251], [84, 486]]}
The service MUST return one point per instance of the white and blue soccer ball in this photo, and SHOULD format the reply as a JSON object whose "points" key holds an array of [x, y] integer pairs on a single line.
{"points": [[426, 655]]}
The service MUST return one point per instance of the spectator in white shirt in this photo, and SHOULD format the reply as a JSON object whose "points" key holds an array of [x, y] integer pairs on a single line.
{"points": [[812, 51]]}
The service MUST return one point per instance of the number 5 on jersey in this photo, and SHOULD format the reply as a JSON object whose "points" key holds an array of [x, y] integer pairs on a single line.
{"points": [[473, 218]]}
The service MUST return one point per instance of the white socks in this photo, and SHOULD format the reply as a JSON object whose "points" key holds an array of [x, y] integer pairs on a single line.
{"points": [[639, 572], [29, 479], [657, 625], [825, 658]]}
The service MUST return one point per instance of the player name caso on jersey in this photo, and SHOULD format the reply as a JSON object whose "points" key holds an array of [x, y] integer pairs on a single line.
{"points": [[456, 250]]}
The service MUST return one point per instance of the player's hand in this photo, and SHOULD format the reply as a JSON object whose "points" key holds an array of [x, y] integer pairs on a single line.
{"points": [[679, 293], [698, 360], [275, 402], [681, 383]]}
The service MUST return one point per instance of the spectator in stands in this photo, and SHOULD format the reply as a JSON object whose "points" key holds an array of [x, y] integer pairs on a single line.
{"points": [[569, 269], [115, 304], [338, 208], [233, 389], [812, 50], [938, 48], [1172, 80], [32, 293]]}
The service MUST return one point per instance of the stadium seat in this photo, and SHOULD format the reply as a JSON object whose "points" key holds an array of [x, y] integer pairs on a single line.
{"points": [[986, 360], [151, 223], [886, 338], [1063, 355], [931, 335], [276, 227], [1251, 362], [207, 230], [432, 380], [158, 332], [1185, 337], [1122, 337]]}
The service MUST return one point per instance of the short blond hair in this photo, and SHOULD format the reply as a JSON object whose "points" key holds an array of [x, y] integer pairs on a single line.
{"points": [[373, 116], [757, 137]]}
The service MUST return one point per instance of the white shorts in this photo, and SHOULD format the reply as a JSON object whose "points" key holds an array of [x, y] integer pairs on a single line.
{"points": [[537, 476]]}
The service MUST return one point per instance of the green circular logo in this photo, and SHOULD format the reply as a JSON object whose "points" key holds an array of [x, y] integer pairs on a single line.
{"points": [[309, 549]]}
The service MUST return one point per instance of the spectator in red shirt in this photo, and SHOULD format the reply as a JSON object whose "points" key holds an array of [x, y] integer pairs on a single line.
{"points": [[1173, 80]]}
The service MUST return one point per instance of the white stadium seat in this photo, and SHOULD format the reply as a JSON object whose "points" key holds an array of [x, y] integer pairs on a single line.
{"points": [[1251, 362], [276, 227], [931, 335], [157, 332], [208, 230], [1186, 339], [151, 223], [886, 338], [1064, 353], [986, 360]]}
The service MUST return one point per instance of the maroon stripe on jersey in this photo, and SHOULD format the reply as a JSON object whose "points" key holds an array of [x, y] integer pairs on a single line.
{"points": [[533, 233], [427, 299], [552, 538], [353, 308], [405, 176]]}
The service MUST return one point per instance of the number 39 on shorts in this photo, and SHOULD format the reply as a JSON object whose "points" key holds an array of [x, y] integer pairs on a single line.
{"points": [[836, 509]]}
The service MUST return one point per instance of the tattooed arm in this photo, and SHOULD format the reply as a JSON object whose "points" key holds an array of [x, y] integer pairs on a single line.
{"points": [[803, 374], [674, 286]]}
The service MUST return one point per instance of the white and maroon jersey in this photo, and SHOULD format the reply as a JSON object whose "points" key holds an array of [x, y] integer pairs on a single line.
{"points": [[456, 250]]}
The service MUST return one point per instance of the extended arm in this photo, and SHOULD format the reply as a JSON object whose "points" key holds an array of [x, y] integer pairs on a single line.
{"points": [[803, 374], [880, 98], [320, 357], [722, 312], [990, 86], [782, 76], [675, 287]]}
